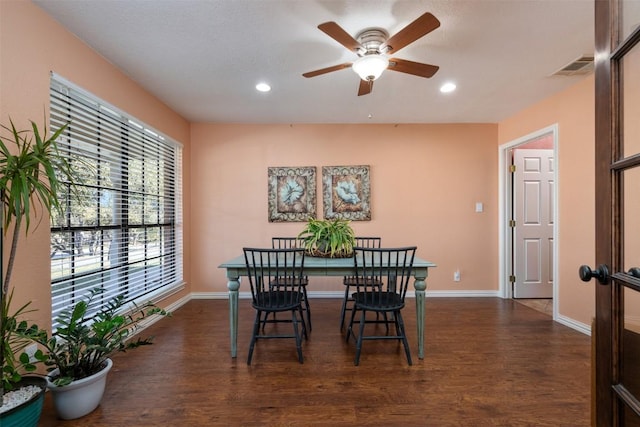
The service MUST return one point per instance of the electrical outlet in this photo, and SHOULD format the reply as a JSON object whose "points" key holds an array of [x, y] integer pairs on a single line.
{"points": [[31, 351], [456, 276]]}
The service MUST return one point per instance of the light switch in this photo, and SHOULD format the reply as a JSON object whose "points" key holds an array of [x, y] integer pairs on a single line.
{"points": [[479, 207]]}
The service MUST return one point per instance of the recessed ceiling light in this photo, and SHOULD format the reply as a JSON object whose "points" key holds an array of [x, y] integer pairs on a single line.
{"points": [[263, 87], [448, 87]]}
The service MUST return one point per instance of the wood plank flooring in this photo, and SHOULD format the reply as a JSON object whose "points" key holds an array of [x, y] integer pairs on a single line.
{"points": [[543, 305], [488, 362]]}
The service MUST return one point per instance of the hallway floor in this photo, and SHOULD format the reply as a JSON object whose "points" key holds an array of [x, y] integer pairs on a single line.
{"points": [[542, 305]]}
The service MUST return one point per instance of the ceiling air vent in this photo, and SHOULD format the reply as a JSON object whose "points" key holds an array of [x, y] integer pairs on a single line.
{"points": [[581, 66]]}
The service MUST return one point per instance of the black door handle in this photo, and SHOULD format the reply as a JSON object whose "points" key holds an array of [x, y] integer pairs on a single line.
{"points": [[601, 273], [635, 272]]}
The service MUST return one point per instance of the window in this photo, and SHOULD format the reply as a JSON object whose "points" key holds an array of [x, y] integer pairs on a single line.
{"points": [[121, 229]]}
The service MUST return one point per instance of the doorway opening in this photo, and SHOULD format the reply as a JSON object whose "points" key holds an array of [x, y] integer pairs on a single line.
{"points": [[528, 219]]}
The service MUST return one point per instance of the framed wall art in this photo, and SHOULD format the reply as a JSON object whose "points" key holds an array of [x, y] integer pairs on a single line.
{"points": [[346, 192], [292, 193]]}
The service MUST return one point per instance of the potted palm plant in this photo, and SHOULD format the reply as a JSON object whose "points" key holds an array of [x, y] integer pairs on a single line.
{"points": [[328, 238], [78, 355], [31, 170]]}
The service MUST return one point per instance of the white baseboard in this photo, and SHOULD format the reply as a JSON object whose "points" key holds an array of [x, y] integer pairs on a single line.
{"points": [[145, 323], [574, 324], [340, 294], [213, 295], [462, 294], [247, 295], [179, 303]]}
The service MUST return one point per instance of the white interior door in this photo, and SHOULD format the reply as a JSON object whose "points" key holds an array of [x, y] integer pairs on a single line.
{"points": [[533, 215]]}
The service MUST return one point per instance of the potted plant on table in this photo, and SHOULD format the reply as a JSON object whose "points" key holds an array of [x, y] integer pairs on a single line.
{"points": [[78, 356], [30, 175], [328, 238]]}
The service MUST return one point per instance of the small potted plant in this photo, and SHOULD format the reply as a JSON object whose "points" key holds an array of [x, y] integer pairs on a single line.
{"points": [[78, 355], [30, 173], [328, 238], [23, 396]]}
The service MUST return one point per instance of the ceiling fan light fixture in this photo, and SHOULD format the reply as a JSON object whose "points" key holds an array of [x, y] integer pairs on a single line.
{"points": [[370, 67]]}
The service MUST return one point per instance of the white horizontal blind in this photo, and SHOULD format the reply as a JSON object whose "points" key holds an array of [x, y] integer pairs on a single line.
{"points": [[122, 225]]}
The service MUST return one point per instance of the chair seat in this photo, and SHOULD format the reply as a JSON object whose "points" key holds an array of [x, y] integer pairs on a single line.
{"points": [[277, 301], [378, 301], [289, 282]]}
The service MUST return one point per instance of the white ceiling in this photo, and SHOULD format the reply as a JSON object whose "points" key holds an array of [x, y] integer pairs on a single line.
{"points": [[204, 57]]}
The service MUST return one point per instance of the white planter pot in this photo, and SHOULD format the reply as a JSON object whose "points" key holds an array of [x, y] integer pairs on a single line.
{"points": [[80, 397]]}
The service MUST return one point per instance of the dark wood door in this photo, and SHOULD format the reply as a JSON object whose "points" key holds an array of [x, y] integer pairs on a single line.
{"points": [[617, 325]]}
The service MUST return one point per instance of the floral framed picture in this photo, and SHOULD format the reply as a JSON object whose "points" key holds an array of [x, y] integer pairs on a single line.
{"points": [[346, 192], [292, 193]]}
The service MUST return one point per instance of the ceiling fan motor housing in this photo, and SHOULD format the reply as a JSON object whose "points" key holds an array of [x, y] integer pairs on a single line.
{"points": [[371, 39]]}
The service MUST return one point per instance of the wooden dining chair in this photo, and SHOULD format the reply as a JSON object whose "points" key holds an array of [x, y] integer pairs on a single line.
{"points": [[290, 243], [275, 278], [391, 268], [349, 281]]}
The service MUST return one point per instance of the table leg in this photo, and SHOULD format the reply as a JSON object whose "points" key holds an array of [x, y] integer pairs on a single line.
{"points": [[233, 286], [420, 286]]}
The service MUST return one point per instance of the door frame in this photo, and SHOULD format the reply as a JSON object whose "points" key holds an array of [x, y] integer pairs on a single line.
{"points": [[505, 201], [606, 110]]}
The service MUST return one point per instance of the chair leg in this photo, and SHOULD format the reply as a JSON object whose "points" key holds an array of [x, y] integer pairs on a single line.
{"points": [[344, 306], [264, 322], [306, 305], [397, 325], [359, 341], [400, 321], [254, 335], [294, 319], [386, 321], [304, 325], [350, 328]]}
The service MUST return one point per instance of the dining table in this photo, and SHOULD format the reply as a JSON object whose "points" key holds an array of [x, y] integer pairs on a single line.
{"points": [[321, 266]]}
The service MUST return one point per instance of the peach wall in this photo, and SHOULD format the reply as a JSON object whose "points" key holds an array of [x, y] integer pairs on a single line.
{"points": [[425, 181], [573, 110], [31, 45]]}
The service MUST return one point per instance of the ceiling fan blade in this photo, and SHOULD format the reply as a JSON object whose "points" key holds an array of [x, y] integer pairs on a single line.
{"points": [[366, 86], [412, 32], [336, 32], [416, 68], [327, 70]]}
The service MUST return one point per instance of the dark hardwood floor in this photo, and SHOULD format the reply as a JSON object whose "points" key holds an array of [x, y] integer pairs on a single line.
{"points": [[488, 362]]}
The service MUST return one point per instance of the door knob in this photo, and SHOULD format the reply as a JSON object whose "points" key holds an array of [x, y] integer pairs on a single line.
{"points": [[601, 273]]}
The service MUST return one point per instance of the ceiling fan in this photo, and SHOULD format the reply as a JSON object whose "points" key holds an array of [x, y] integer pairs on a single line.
{"points": [[372, 47]]}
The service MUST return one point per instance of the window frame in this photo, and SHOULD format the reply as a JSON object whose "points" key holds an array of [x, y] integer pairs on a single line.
{"points": [[156, 270]]}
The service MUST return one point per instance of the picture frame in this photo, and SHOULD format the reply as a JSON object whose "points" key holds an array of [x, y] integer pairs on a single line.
{"points": [[291, 193], [346, 192]]}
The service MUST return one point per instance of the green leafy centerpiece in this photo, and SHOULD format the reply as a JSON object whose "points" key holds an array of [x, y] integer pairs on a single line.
{"points": [[328, 238]]}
